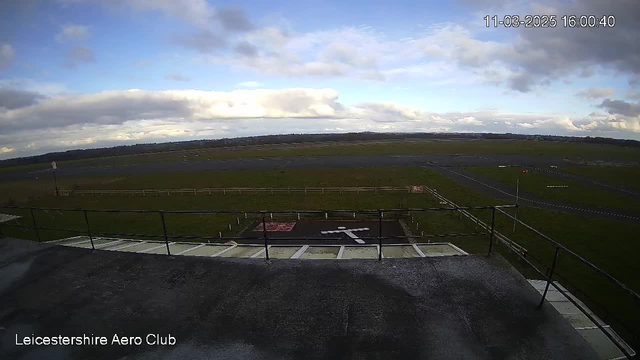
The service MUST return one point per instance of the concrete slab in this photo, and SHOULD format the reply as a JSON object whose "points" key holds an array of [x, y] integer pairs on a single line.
{"points": [[208, 250], [321, 252], [605, 348], [554, 295], [360, 252], [141, 246], [160, 250], [579, 320], [282, 252], [462, 307], [438, 250], [399, 251], [242, 251], [178, 247], [70, 240]]}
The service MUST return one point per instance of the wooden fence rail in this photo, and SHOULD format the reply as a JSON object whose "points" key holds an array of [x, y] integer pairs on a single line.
{"points": [[246, 190]]}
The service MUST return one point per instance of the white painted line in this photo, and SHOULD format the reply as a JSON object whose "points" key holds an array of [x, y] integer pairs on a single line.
{"points": [[260, 252], [457, 248], [193, 248], [59, 240], [224, 251], [78, 243], [417, 249], [340, 252], [153, 248], [592, 327], [109, 244], [130, 245], [299, 252]]}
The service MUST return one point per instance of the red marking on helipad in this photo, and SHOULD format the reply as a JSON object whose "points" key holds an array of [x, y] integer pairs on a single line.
{"points": [[277, 226]]}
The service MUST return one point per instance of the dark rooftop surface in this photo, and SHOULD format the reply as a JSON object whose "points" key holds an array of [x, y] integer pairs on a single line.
{"points": [[463, 307]]}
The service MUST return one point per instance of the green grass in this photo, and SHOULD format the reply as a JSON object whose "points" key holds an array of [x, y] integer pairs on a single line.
{"points": [[609, 244], [628, 176], [577, 192], [393, 147]]}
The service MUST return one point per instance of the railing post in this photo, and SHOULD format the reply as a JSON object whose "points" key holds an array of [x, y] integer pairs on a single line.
{"points": [[549, 278], [493, 224], [264, 235], [379, 235], [86, 219], [164, 229], [35, 226]]}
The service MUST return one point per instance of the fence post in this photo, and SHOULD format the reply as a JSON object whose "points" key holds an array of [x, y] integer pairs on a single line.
{"points": [[549, 278], [493, 224], [35, 226], [264, 235], [379, 235], [164, 229], [86, 219]]}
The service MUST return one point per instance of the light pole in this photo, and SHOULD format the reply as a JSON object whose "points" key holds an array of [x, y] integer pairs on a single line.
{"points": [[55, 179], [515, 214]]}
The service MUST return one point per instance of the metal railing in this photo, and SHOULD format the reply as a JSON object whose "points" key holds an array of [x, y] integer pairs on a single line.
{"points": [[245, 190], [548, 276], [373, 213]]}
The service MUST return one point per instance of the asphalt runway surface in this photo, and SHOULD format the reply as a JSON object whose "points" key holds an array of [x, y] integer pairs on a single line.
{"points": [[497, 189], [442, 162], [314, 229], [452, 307], [301, 162]]}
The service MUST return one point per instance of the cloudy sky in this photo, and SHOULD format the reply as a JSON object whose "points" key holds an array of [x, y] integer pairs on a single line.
{"points": [[92, 73]]}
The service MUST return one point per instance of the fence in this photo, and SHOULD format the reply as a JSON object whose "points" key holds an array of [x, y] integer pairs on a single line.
{"points": [[247, 190], [379, 214]]}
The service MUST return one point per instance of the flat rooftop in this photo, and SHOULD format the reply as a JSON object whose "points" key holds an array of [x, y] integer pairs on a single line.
{"points": [[426, 307]]}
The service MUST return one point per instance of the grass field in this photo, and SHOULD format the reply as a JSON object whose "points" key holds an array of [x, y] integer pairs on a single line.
{"points": [[609, 244], [577, 192], [627, 176], [392, 147]]}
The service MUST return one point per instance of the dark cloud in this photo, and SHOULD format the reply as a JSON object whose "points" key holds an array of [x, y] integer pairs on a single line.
{"points": [[202, 41], [233, 19], [13, 98], [552, 53], [521, 82], [79, 55], [245, 48], [621, 107], [177, 77]]}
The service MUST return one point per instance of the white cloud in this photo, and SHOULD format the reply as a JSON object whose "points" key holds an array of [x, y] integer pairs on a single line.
{"points": [[177, 77], [249, 84], [121, 117], [6, 55], [71, 32], [594, 93], [6, 150]]}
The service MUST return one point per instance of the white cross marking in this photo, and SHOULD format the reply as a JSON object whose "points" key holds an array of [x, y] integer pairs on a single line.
{"points": [[348, 232]]}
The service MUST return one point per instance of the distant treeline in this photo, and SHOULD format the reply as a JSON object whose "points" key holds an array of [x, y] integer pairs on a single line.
{"points": [[284, 139]]}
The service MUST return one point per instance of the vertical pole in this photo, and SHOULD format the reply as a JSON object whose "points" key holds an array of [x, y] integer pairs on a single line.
{"points": [[164, 229], [55, 181], [549, 278], [515, 213], [86, 219], [379, 235], [264, 235], [493, 224], [35, 226]]}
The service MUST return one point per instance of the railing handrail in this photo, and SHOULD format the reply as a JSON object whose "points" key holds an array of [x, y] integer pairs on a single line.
{"points": [[570, 252], [291, 211]]}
